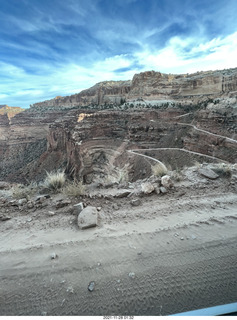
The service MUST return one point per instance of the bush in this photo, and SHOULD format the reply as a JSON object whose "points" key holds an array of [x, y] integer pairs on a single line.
{"points": [[159, 169], [21, 191], [75, 188], [118, 175], [55, 180]]}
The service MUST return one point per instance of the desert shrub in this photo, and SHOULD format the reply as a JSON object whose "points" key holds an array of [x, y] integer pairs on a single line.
{"points": [[117, 175], [55, 180], [24, 191], [159, 169], [176, 175], [197, 164], [74, 188]]}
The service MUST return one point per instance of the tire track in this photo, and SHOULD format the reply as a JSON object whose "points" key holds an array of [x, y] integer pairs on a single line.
{"points": [[168, 278]]}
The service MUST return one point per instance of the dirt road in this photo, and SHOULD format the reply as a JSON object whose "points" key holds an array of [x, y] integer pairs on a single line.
{"points": [[149, 266]]}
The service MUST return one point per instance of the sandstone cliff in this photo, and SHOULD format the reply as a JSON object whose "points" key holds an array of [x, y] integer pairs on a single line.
{"points": [[153, 86], [10, 111]]}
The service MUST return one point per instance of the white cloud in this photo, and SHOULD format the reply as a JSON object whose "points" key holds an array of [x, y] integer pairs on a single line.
{"points": [[64, 78], [215, 54]]}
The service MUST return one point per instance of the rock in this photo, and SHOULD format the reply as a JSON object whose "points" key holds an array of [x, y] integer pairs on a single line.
{"points": [[63, 203], [30, 205], [41, 200], [4, 218], [87, 218], [54, 256], [70, 289], [13, 203], [22, 201], [42, 196], [135, 202], [3, 200], [78, 207], [208, 173], [131, 275], [98, 208], [166, 181], [122, 193], [91, 286], [157, 190], [51, 213], [163, 190], [147, 187]]}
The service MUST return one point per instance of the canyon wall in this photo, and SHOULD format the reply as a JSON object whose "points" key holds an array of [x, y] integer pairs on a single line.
{"points": [[90, 144], [23, 139], [152, 86]]}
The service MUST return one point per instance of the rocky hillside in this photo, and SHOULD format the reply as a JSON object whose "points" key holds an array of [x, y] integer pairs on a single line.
{"points": [[10, 111], [153, 87]]}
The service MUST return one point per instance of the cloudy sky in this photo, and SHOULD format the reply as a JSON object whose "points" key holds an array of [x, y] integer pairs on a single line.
{"points": [[60, 47]]}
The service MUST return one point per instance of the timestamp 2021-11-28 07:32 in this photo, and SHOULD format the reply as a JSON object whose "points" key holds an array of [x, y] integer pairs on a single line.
{"points": [[118, 317]]}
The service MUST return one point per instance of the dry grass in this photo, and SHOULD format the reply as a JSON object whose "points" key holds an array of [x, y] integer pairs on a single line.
{"points": [[21, 191], [118, 175], [159, 170], [55, 180], [75, 188]]}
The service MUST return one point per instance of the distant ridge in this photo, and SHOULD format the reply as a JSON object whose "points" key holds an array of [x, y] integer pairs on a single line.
{"points": [[10, 111], [152, 86]]}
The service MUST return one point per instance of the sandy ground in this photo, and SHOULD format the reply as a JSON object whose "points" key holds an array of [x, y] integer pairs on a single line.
{"points": [[173, 253]]}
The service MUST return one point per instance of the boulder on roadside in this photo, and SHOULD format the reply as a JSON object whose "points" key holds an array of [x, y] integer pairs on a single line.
{"points": [[208, 173], [122, 193], [78, 207], [163, 190], [166, 181], [88, 218], [147, 187], [135, 202]]}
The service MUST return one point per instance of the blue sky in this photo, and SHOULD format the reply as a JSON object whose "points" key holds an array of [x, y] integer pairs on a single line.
{"points": [[60, 47]]}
